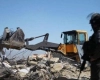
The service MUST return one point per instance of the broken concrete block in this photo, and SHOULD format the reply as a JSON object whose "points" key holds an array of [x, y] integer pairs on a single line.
{"points": [[32, 62], [32, 57], [22, 74], [57, 67], [6, 64], [54, 59], [41, 65], [18, 66]]}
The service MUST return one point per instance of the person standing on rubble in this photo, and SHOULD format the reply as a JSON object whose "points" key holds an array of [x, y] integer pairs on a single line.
{"points": [[91, 48]]}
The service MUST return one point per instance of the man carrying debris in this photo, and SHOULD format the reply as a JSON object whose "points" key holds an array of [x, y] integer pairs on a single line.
{"points": [[91, 48]]}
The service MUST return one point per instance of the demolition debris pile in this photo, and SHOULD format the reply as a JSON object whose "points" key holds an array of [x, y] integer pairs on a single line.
{"points": [[41, 67]]}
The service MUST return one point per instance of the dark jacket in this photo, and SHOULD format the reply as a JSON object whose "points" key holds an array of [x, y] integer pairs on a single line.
{"points": [[91, 48]]}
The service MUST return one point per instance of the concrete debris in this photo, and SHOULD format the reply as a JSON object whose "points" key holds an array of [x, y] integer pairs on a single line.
{"points": [[39, 67], [56, 67], [54, 59]]}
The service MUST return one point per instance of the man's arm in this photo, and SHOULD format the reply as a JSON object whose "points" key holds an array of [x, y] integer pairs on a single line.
{"points": [[85, 56], [86, 51]]}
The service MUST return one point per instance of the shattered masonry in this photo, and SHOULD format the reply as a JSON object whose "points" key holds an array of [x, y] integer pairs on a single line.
{"points": [[41, 67]]}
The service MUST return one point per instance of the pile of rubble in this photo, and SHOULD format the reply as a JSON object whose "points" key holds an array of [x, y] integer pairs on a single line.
{"points": [[42, 67]]}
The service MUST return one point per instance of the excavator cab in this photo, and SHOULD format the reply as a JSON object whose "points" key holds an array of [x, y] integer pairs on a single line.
{"points": [[72, 39]]}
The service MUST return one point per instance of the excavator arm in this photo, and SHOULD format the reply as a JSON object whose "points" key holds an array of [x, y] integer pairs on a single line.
{"points": [[44, 45]]}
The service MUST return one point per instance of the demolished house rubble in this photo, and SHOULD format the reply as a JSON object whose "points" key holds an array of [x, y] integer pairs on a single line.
{"points": [[49, 66], [42, 67]]}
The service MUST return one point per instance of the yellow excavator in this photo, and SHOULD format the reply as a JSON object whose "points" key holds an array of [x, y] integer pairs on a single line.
{"points": [[71, 46], [72, 43]]}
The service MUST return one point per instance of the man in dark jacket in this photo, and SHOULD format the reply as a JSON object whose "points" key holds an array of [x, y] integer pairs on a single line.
{"points": [[91, 48]]}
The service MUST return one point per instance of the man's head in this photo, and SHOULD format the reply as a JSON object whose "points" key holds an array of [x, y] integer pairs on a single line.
{"points": [[95, 21]]}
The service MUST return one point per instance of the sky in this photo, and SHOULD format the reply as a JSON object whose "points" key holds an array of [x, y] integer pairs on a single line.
{"points": [[38, 17]]}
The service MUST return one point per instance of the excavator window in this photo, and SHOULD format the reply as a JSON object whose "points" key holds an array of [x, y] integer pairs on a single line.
{"points": [[74, 37], [82, 38], [70, 38]]}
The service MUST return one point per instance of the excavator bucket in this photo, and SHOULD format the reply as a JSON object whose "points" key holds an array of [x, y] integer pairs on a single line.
{"points": [[15, 41]]}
